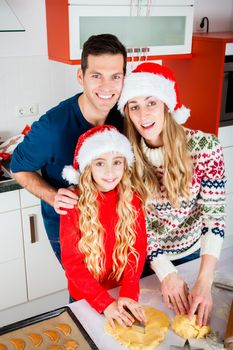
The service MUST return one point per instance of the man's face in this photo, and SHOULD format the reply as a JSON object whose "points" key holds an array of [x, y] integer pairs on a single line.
{"points": [[102, 82]]}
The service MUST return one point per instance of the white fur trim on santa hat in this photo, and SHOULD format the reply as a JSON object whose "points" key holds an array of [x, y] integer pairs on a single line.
{"points": [[70, 174], [147, 84], [101, 143], [181, 114]]}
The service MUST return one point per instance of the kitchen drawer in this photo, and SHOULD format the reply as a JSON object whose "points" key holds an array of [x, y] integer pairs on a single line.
{"points": [[11, 240], [13, 289], [27, 199], [9, 201]]}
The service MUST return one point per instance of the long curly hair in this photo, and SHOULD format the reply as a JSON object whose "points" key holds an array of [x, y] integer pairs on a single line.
{"points": [[178, 165], [91, 243]]}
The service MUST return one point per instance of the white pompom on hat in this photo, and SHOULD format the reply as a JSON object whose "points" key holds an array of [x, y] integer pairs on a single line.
{"points": [[152, 79], [92, 144]]}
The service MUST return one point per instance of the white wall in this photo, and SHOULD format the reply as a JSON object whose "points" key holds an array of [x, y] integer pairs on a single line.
{"points": [[26, 74], [28, 77], [219, 12]]}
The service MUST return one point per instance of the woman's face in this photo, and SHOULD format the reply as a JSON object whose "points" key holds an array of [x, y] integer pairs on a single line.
{"points": [[147, 115]]}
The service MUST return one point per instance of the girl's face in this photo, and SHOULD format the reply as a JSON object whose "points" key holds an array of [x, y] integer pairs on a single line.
{"points": [[107, 171], [147, 115]]}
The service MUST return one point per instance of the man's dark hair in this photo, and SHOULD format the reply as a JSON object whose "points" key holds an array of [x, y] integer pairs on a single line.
{"points": [[102, 44]]}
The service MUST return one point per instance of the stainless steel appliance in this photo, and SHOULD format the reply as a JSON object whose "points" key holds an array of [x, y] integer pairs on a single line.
{"points": [[226, 117]]}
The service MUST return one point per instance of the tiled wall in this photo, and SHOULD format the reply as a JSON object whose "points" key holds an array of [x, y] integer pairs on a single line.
{"points": [[27, 76]]}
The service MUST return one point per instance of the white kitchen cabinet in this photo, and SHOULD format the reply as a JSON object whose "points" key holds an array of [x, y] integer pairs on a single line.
{"points": [[158, 29], [13, 289], [226, 139], [28, 266], [44, 272]]}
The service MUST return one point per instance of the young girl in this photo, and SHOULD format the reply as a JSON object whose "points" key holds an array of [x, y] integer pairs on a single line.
{"points": [[184, 170], [103, 239]]}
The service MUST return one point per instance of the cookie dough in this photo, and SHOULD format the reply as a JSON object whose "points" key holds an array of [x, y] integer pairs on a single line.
{"points": [[187, 328], [35, 338], [156, 328], [65, 328], [71, 345], [53, 335], [3, 347], [18, 343]]}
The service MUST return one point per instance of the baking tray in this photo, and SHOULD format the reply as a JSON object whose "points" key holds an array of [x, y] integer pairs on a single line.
{"points": [[41, 325]]}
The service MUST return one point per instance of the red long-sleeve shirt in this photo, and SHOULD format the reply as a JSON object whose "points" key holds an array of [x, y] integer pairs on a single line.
{"points": [[81, 283]]}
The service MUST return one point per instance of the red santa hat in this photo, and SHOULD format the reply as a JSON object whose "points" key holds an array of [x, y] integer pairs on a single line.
{"points": [[152, 79], [92, 144]]}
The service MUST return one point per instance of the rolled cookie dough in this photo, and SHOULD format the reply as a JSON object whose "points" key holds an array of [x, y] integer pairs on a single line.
{"points": [[156, 328], [186, 328]]}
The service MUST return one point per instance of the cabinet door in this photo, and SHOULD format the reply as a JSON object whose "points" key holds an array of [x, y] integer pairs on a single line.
{"points": [[85, 21], [12, 269], [44, 273], [228, 156], [154, 30]]}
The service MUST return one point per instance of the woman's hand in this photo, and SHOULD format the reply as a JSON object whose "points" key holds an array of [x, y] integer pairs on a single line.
{"points": [[200, 300], [112, 313], [136, 309], [175, 293], [65, 198]]}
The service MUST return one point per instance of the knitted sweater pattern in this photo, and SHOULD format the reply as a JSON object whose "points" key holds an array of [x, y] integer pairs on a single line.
{"points": [[173, 233]]}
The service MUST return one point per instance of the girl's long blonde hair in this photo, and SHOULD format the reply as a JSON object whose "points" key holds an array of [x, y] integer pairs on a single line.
{"points": [[178, 166], [91, 243]]}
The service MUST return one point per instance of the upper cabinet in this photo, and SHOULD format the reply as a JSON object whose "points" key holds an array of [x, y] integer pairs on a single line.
{"points": [[147, 28], [8, 19]]}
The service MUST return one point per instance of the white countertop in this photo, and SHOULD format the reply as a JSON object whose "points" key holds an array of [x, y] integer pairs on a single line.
{"points": [[150, 295]]}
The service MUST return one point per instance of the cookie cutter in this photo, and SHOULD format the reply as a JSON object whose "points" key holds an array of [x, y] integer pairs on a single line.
{"points": [[214, 341], [186, 346]]}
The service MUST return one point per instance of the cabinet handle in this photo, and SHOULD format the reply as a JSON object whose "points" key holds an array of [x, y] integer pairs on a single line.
{"points": [[32, 228]]}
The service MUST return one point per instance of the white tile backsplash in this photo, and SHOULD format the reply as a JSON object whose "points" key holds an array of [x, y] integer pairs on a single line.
{"points": [[27, 76], [28, 80]]}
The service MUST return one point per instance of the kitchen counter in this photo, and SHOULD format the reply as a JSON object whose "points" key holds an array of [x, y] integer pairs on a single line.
{"points": [[150, 295], [11, 184]]}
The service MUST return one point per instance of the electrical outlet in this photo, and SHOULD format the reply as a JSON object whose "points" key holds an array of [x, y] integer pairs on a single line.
{"points": [[21, 111], [34, 110], [27, 111]]}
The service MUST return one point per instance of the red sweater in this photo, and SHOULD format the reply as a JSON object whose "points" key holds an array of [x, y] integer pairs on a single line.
{"points": [[81, 283]]}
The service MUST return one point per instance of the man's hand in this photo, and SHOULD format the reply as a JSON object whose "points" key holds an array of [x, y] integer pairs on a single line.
{"points": [[64, 199], [175, 293]]}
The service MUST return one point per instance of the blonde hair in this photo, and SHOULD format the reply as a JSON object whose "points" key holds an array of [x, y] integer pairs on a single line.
{"points": [[91, 243], [178, 166]]}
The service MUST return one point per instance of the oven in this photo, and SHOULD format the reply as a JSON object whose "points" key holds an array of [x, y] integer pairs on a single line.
{"points": [[226, 117]]}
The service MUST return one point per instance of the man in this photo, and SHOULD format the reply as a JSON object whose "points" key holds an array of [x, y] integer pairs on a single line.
{"points": [[50, 144]]}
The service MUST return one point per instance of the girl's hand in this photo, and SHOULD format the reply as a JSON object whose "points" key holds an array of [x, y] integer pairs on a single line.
{"points": [[112, 313], [136, 309], [175, 293], [64, 199], [200, 300]]}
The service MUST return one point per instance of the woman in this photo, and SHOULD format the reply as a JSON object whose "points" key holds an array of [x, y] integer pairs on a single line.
{"points": [[103, 238], [184, 172]]}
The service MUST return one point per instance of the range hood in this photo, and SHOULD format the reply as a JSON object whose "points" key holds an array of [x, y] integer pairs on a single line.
{"points": [[8, 20]]}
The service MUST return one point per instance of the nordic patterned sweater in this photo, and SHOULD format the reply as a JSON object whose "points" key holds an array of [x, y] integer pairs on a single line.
{"points": [[199, 222]]}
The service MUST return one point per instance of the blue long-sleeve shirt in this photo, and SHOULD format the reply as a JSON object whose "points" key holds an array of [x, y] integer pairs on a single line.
{"points": [[50, 145]]}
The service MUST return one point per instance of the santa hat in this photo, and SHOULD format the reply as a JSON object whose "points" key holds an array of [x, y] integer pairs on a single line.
{"points": [[92, 144], [152, 79]]}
